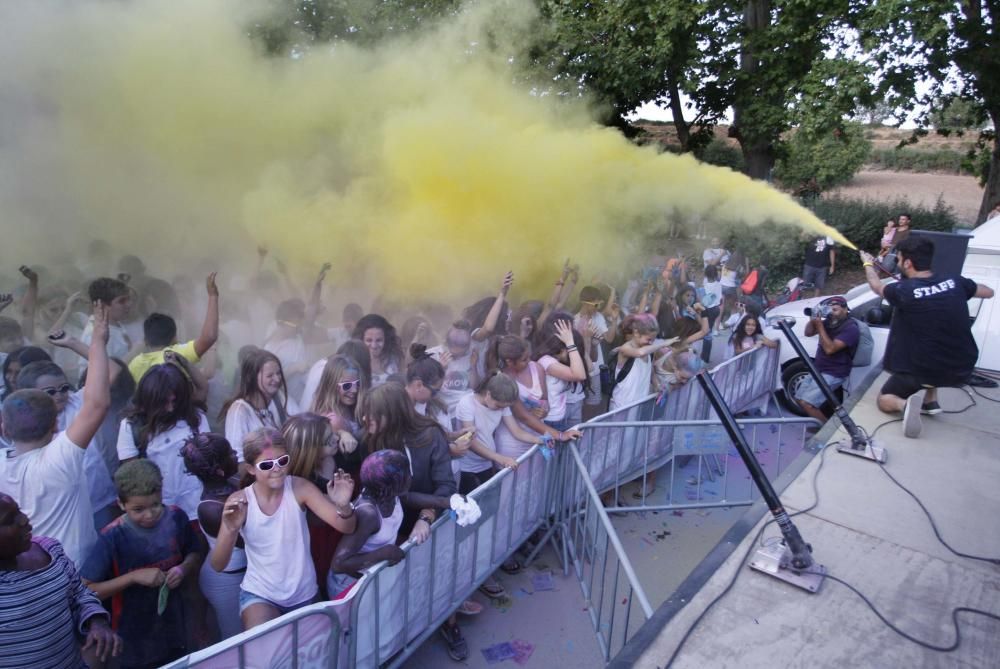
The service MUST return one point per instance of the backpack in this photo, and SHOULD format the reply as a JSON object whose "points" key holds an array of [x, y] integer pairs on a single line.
{"points": [[608, 383], [749, 284], [866, 345]]}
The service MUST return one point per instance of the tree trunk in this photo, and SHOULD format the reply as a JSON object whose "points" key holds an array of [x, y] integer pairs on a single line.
{"points": [[758, 152], [991, 195], [677, 111]]}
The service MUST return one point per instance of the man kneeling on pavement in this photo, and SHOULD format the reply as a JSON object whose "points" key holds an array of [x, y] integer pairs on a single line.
{"points": [[930, 342], [838, 340]]}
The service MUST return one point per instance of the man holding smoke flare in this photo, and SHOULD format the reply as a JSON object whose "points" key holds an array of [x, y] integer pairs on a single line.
{"points": [[930, 343]]}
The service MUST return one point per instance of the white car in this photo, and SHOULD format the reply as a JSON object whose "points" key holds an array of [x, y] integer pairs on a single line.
{"points": [[864, 305]]}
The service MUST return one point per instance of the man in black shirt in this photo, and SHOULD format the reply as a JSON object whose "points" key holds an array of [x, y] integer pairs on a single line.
{"points": [[819, 263], [930, 343]]}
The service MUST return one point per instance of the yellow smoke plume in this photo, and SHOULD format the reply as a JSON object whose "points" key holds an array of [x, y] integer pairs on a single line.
{"points": [[415, 167]]}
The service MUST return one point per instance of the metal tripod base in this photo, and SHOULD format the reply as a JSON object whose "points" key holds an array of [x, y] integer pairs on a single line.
{"points": [[776, 561], [869, 452]]}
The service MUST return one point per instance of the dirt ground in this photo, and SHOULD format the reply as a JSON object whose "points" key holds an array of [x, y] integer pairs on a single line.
{"points": [[961, 193]]}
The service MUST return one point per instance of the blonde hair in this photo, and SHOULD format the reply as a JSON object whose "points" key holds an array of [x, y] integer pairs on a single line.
{"points": [[305, 436]]}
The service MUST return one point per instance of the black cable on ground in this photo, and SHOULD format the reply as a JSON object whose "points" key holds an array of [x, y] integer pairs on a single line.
{"points": [[909, 637], [758, 538]]}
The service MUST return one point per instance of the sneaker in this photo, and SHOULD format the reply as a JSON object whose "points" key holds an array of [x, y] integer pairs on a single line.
{"points": [[930, 409], [911, 417], [470, 608], [458, 649]]}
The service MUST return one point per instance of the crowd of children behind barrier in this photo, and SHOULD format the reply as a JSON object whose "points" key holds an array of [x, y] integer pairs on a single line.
{"points": [[178, 465]]}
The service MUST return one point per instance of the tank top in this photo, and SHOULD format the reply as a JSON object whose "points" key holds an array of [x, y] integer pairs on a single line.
{"points": [[388, 529], [635, 386], [531, 397], [279, 565], [238, 559]]}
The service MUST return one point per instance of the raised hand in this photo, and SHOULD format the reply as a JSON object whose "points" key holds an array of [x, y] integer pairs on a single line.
{"points": [[340, 488], [326, 267], [234, 513], [6, 299], [28, 273], [564, 331], [210, 286], [445, 358], [508, 281], [101, 323]]}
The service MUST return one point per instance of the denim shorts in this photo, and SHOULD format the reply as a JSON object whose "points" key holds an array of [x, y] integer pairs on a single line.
{"points": [[248, 599], [809, 392]]}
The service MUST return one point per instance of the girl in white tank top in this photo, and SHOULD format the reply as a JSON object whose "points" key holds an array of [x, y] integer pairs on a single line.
{"points": [[385, 475], [270, 516], [636, 355]]}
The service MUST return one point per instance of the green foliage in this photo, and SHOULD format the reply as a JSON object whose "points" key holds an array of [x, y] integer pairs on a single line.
{"points": [[819, 162], [921, 160], [781, 248], [720, 152]]}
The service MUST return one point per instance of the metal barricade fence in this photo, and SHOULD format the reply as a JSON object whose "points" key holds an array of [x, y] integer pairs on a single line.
{"points": [[393, 609], [309, 638]]}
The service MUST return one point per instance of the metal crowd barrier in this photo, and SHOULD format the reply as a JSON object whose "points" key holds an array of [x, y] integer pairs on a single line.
{"points": [[309, 638], [393, 609]]}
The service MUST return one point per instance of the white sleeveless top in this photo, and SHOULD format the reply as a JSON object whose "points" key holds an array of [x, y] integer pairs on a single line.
{"points": [[387, 531], [635, 386], [279, 566], [238, 559]]}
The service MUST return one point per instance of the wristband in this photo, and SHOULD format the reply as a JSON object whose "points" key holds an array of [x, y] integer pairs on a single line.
{"points": [[340, 515], [570, 349], [868, 264], [427, 518]]}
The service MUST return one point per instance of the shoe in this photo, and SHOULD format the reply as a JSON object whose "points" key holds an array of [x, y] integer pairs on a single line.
{"points": [[458, 649], [512, 566], [492, 589], [469, 608], [930, 409], [911, 417]]}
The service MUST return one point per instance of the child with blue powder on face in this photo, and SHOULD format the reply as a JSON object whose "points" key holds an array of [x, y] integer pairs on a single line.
{"points": [[147, 548]]}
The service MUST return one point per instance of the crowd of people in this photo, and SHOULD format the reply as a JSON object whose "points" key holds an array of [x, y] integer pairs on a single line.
{"points": [[203, 463]]}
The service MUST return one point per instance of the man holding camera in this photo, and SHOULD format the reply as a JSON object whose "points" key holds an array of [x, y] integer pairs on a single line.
{"points": [[930, 343], [838, 339]]}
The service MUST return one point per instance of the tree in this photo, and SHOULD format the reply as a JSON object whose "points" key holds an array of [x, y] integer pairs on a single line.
{"points": [[781, 64], [953, 45], [818, 163], [624, 54]]}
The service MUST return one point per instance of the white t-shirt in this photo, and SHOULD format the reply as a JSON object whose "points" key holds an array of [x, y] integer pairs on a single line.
{"points": [[557, 390], [180, 487], [710, 293], [457, 377], [242, 418], [486, 420], [119, 343], [100, 486], [712, 256], [49, 486]]}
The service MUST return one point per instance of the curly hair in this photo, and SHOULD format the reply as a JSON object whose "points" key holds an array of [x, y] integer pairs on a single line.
{"points": [[209, 457]]}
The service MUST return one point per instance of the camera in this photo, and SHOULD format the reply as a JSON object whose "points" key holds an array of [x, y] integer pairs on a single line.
{"points": [[820, 311]]}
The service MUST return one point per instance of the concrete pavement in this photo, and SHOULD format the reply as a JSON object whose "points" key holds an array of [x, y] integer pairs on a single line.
{"points": [[870, 533]]}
